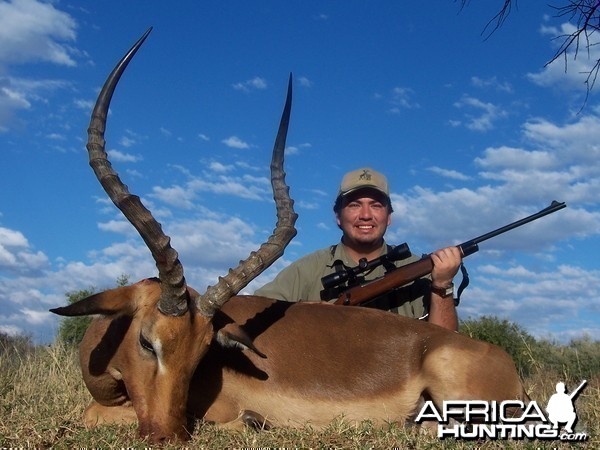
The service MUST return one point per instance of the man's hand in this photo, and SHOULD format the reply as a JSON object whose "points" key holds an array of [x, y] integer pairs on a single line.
{"points": [[445, 265], [446, 262]]}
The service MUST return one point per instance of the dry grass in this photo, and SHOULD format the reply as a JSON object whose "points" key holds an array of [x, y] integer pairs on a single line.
{"points": [[42, 397]]}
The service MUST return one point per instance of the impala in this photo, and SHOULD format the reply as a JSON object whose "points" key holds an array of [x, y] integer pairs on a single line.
{"points": [[161, 354]]}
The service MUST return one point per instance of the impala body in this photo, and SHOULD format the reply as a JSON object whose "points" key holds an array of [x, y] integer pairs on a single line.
{"points": [[161, 354], [287, 364]]}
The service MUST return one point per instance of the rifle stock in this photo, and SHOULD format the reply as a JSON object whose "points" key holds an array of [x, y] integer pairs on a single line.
{"points": [[399, 277], [410, 272]]}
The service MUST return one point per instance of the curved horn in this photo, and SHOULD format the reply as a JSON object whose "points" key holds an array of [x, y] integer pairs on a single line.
{"points": [[267, 254], [174, 298]]}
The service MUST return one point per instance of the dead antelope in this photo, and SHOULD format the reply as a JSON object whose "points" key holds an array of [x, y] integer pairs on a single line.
{"points": [[162, 354]]}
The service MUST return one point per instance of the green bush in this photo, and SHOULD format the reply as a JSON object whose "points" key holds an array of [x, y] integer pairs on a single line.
{"points": [[520, 345], [15, 346], [577, 360]]}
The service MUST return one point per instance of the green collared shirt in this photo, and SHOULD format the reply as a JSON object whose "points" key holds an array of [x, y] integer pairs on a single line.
{"points": [[301, 281]]}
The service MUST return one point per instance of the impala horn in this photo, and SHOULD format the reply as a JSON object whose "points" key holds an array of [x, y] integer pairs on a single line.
{"points": [[174, 298], [229, 285]]}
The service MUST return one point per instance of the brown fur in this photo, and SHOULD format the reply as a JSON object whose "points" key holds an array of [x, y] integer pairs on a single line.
{"points": [[310, 362]]}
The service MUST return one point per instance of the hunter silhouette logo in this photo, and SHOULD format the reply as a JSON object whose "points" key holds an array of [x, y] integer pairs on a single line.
{"points": [[561, 408], [509, 419]]}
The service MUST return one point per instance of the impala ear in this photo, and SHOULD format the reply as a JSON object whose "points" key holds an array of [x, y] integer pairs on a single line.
{"points": [[114, 301], [232, 335]]}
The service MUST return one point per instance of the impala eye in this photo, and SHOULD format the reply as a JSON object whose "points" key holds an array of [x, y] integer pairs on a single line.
{"points": [[145, 343]]}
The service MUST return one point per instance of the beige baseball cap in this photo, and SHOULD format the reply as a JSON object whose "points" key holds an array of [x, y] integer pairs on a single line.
{"points": [[364, 178]]}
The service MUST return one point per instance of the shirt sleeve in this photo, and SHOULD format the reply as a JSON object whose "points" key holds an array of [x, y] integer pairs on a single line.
{"points": [[285, 286], [300, 281]]}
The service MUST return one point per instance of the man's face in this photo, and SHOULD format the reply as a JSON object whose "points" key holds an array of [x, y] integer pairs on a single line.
{"points": [[364, 217]]}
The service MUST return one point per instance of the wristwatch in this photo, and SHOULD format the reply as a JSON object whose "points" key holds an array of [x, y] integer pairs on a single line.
{"points": [[443, 291]]}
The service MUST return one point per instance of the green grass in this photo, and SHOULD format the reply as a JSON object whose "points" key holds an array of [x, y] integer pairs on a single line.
{"points": [[42, 398]]}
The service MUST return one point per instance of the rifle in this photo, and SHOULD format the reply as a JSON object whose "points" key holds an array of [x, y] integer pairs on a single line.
{"points": [[410, 272], [576, 392]]}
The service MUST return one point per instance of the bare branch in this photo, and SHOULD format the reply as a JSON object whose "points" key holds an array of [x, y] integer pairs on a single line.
{"points": [[586, 13], [498, 20]]}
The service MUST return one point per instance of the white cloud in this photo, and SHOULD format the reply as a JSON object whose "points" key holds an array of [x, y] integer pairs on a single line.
{"points": [[295, 149], [117, 226], [11, 100], [305, 82], [509, 157], [447, 173], [213, 243], [524, 292], [242, 188], [579, 140], [219, 167], [215, 181], [235, 142], [11, 330], [307, 205], [134, 173], [488, 113], [21, 94], [176, 196], [117, 156], [12, 238], [570, 72], [556, 162], [256, 83], [127, 141], [402, 98], [86, 105], [32, 31], [16, 255], [36, 317], [492, 83]]}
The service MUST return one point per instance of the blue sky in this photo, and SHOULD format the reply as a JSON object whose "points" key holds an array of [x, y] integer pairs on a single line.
{"points": [[472, 133]]}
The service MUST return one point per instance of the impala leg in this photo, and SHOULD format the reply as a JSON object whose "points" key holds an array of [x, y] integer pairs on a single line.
{"points": [[97, 414], [246, 419], [254, 420]]}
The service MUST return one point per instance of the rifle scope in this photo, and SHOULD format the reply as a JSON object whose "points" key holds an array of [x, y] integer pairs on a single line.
{"points": [[398, 253]]}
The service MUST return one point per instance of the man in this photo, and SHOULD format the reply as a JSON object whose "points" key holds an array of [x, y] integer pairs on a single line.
{"points": [[363, 212]]}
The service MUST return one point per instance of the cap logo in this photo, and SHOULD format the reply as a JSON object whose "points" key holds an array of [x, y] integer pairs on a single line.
{"points": [[365, 175]]}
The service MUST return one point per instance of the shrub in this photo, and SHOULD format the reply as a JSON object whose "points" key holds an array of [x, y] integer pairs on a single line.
{"points": [[15, 347], [578, 360], [520, 345]]}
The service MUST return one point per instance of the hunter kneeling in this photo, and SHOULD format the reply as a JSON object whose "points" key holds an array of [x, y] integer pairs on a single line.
{"points": [[363, 212]]}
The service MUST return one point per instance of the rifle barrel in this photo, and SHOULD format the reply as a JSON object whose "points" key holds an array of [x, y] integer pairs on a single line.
{"points": [[470, 247]]}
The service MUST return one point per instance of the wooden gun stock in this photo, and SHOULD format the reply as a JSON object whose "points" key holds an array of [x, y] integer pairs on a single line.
{"points": [[399, 277], [410, 272]]}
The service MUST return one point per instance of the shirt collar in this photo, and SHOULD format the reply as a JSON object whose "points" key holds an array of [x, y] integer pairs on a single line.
{"points": [[341, 254]]}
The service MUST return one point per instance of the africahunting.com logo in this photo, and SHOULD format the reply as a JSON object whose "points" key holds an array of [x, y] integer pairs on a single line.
{"points": [[512, 419]]}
